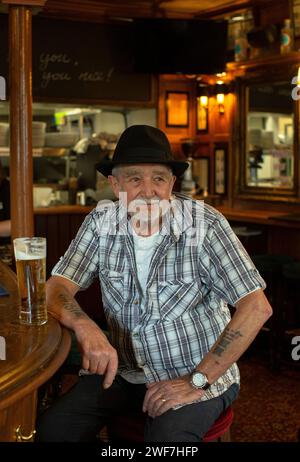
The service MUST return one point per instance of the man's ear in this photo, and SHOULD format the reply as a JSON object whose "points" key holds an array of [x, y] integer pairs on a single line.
{"points": [[113, 181]]}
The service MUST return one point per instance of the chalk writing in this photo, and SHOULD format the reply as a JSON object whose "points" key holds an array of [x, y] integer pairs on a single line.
{"points": [[101, 76], [46, 58], [48, 77]]}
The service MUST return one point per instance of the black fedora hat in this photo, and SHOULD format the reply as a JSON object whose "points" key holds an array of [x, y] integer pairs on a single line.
{"points": [[142, 144]]}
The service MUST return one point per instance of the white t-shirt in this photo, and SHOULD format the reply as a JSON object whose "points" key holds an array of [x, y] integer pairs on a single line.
{"points": [[143, 250]]}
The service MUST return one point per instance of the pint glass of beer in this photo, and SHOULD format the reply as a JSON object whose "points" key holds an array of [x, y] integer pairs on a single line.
{"points": [[30, 254]]}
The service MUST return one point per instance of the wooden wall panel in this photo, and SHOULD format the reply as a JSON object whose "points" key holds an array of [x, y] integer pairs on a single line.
{"points": [[203, 150], [65, 234], [273, 12], [176, 134], [220, 123], [284, 241]]}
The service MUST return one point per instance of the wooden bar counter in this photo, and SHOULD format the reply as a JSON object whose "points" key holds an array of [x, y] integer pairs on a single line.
{"points": [[280, 230], [263, 217], [64, 210], [33, 355], [247, 215]]}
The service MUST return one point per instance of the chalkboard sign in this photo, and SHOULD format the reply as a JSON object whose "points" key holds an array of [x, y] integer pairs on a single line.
{"points": [[79, 61]]}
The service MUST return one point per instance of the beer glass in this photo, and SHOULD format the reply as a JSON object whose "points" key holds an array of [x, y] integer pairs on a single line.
{"points": [[30, 255]]}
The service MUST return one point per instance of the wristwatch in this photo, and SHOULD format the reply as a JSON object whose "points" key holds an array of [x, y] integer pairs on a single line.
{"points": [[199, 380]]}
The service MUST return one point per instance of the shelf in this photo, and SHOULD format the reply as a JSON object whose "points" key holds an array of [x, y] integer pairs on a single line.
{"points": [[54, 152], [292, 57], [40, 152]]}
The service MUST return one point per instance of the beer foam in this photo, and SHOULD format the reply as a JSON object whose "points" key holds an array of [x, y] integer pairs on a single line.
{"points": [[26, 256]]}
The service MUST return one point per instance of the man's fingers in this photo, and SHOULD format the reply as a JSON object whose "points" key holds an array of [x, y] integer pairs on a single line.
{"points": [[102, 361], [147, 397], [101, 368], [162, 408], [111, 371], [85, 363], [151, 395]]}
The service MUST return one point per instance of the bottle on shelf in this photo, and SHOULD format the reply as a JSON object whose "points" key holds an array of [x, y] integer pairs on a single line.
{"points": [[241, 46], [286, 37]]}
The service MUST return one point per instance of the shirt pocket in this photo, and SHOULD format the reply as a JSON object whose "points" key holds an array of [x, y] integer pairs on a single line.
{"points": [[177, 297], [112, 288]]}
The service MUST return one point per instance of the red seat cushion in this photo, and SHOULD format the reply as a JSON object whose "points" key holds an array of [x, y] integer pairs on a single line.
{"points": [[221, 425], [130, 428]]}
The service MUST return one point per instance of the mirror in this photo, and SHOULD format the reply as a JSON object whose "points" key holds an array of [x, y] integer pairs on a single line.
{"points": [[270, 136]]}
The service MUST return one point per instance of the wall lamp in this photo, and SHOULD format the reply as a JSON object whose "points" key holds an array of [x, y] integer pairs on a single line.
{"points": [[203, 92], [220, 100], [220, 90], [204, 101]]}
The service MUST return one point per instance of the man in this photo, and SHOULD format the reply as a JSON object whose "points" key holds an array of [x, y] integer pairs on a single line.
{"points": [[168, 266]]}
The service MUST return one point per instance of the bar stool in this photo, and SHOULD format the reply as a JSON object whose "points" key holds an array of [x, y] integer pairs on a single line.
{"points": [[271, 269], [130, 428]]}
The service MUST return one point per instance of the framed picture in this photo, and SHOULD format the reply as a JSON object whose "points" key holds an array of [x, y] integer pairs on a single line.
{"points": [[177, 109], [201, 173], [220, 169], [202, 114]]}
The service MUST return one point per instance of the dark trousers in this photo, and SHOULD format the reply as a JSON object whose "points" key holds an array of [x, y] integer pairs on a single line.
{"points": [[84, 410]]}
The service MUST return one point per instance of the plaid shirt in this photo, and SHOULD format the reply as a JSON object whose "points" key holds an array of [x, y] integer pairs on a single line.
{"points": [[188, 287]]}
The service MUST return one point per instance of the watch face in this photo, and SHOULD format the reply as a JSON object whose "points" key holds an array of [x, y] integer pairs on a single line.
{"points": [[198, 380]]}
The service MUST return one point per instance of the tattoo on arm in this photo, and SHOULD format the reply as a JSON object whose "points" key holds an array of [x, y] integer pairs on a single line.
{"points": [[228, 336], [70, 305]]}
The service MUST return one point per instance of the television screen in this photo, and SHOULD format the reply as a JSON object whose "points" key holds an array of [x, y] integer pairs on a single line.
{"points": [[189, 46]]}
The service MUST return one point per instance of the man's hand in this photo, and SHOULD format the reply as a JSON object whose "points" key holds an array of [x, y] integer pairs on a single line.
{"points": [[98, 356], [164, 395]]}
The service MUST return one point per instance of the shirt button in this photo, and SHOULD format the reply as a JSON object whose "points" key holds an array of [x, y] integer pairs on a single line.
{"points": [[136, 302]]}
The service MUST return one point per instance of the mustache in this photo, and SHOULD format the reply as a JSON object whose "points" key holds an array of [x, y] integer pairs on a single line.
{"points": [[144, 201], [155, 205]]}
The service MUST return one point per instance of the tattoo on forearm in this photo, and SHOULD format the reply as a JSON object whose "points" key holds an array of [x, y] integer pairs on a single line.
{"points": [[226, 339], [70, 305]]}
